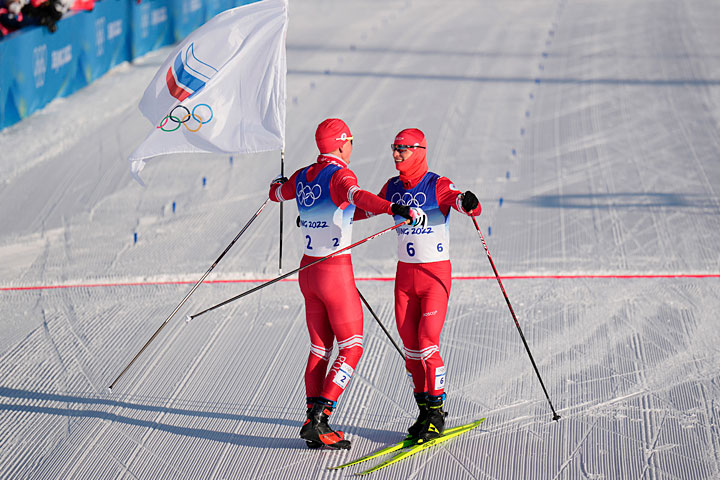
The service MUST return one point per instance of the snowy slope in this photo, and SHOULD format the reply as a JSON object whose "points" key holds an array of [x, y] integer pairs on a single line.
{"points": [[590, 132]]}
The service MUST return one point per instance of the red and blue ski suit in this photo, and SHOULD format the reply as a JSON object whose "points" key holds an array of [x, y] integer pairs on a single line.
{"points": [[326, 194], [423, 275]]}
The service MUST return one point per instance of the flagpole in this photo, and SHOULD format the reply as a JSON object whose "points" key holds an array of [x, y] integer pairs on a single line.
{"points": [[282, 174]]}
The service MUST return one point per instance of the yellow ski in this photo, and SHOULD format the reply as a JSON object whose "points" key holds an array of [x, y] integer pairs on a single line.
{"points": [[416, 447], [408, 442]]}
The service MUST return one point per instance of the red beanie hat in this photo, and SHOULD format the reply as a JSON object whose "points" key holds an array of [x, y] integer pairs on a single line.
{"points": [[332, 134], [411, 136]]}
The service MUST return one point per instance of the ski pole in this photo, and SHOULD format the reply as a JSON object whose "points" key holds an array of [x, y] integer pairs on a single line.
{"points": [[381, 325], [192, 290], [556, 417], [282, 174], [277, 279]]}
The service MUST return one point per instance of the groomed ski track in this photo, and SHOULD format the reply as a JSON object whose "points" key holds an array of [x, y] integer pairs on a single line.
{"points": [[589, 130]]}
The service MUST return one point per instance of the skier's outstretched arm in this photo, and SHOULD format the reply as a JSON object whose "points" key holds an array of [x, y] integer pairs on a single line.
{"points": [[361, 214], [449, 196]]}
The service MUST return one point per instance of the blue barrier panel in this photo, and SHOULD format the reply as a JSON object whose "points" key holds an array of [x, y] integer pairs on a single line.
{"points": [[106, 38], [45, 65], [8, 111], [213, 7], [38, 66], [187, 15], [151, 26]]}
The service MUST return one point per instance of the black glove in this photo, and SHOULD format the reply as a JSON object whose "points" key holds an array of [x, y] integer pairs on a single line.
{"points": [[279, 180], [401, 210], [469, 201], [414, 214]]}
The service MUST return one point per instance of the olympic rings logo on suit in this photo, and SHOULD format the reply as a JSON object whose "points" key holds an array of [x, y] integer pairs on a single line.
{"points": [[408, 199], [199, 118], [307, 195]]}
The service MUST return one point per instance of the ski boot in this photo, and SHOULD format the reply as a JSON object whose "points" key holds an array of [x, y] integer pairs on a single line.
{"points": [[435, 424], [316, 431], [420, 424]]}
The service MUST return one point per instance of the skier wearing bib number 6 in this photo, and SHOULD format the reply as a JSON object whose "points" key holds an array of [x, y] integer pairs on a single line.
{"points": [[326, 193], [423, 276]]}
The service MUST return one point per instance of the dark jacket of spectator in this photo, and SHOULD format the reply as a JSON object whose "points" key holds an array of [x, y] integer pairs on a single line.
{"points": [[11, 17]]}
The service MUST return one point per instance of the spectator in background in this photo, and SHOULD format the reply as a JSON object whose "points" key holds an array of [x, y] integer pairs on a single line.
{"points": [[87, 5], [11, 17], [16, 14], [45, 12]]}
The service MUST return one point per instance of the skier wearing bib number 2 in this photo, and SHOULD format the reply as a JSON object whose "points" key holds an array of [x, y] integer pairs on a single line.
{"points": [[326, 193], [423, 277]]}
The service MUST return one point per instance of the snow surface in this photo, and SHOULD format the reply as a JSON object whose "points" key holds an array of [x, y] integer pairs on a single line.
{"points": [[596, 123]]}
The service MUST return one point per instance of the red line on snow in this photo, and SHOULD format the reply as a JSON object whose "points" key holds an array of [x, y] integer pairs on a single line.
{"points": [[371, 279]]}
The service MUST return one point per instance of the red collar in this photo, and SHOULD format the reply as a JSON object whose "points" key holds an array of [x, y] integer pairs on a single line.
{"points": [[335, 160]]}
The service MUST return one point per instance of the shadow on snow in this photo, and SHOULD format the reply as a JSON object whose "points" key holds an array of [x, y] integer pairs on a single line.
{"points": [[621, 200], [203, 433]]}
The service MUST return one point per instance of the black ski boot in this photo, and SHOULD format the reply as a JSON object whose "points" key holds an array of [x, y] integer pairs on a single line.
{"points": [[316, 431], [420, 424], [435, 425]]}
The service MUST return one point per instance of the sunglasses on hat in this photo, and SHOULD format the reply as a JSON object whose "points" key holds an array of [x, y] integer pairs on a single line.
{"points": [[402, 148], [345, 137]]}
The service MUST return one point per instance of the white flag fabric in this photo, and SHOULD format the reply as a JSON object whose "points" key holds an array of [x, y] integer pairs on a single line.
{"points": [[223, 88]]}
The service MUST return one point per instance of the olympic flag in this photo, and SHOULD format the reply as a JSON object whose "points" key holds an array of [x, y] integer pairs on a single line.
{"points": [[223, 88]]}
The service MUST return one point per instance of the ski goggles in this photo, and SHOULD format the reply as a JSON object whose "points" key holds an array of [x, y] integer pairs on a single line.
{"points": [[402, 148]]}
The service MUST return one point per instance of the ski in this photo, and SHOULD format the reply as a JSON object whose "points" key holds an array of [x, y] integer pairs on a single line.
{"points": [[413, 449], [408, 442]]}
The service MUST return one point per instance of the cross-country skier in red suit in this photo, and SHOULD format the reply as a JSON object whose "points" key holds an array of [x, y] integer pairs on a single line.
{"points": [[422, 280], [326, 193]]}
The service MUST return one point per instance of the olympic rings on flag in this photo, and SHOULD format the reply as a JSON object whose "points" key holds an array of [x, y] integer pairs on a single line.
{"points": [[183, 119]]}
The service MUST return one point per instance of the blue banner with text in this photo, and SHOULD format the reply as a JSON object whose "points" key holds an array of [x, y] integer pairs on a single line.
{"points": [[37, 66]]}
